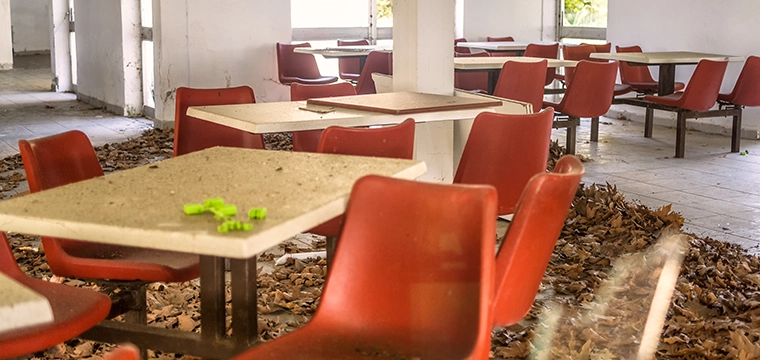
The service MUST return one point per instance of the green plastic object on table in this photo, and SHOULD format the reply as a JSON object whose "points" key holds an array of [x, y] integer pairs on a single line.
{"points": [[221, 211]]}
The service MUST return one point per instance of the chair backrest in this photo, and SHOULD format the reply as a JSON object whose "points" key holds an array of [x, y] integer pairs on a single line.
{"points": [[301, 92], [528, 244], [704, 85], [414, 261], [746, 91], [577, 53], [8, 264], [471, 80], [522, 81], [633, 74], [498, 39], [123, 352], [395, 141], [309, 140], [590, 92], [348, 68], [601, 48], [292, 65], [193, 134], [505, 151], [550, 51], [58, 159], [377, 62], [460, 49]]}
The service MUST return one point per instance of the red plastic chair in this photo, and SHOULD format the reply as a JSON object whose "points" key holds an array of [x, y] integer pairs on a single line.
{"points": [[471, 80], [193, 134], [309, 139], [301, 68], [746, 92], [639, 77], [66, 158], [522, 81], [461, 49], [389, 142], [505, 151], [412, 277], [589, 95], [499, 39], [529, 242], [700, 95], [544, 51], [348, 68], [75, 310], [378, 62], [123, 352]]}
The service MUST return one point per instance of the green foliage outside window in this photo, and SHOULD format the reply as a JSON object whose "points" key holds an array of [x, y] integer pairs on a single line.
{"points": [[585, 13], [384, 9]]}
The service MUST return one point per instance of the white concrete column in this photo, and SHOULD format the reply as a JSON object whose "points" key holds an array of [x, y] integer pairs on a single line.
{"points": [[60, 47], [131, 27], [423, 61], [6, 42]]}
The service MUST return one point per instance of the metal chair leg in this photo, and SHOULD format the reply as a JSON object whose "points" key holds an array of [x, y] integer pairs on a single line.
{"points": [[570, 141], [736, 131], [680, 134], [648, 122], [595, 129]]}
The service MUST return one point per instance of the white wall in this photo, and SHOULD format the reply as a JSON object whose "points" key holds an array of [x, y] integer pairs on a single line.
{"points": [[6, 48], [31, 29], [200, 43], [99, 53], [525, 20], [723, 27]]}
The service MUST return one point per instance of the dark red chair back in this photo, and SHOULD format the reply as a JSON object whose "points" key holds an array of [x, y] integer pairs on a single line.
{"points": [[746, 90], [378, 62], [550, 51], [309, 140], [348, 68], [193, 134], [577, 53], [499, 39], [704, 85], [471, 80], [459, 49], [391, 141], [590, 92], [522, 81], [301, 68]]}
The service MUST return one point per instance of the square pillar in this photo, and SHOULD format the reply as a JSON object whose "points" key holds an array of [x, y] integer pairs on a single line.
{"points": [[6, 41]]}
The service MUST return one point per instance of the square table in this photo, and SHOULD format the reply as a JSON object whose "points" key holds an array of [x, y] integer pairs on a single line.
{"points": [[143, 207], [502, 46], [493, 65], [667, 62]]}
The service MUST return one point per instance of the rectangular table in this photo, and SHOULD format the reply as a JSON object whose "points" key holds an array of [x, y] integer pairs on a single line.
{"points": [[494, 64], [143, 207], [503, 46], [338, 52], [666, 61]]}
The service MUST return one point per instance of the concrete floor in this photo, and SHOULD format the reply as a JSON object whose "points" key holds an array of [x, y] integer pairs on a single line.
{"points": [[717, 192]]}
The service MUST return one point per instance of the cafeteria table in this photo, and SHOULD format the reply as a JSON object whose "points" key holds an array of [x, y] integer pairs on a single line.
{"points": [[517, 47], [493, 65], [342, 52], [143, 207]]}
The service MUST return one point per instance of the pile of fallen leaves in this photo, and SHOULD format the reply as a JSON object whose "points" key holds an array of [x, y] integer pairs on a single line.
{"points": [[714, 312]]}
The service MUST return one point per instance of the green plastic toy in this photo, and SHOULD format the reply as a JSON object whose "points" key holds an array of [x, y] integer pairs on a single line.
{"points": [[224, 212], [257, 213]]}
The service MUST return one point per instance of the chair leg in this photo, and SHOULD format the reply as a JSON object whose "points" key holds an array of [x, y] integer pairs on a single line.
{"points": [[680, 134], [595, 129], [736, 132], [330, 243], [648, 122], [570, 141]]}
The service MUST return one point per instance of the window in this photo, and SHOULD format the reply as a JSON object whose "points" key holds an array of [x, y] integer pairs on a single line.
{"points": [[582, 20]]}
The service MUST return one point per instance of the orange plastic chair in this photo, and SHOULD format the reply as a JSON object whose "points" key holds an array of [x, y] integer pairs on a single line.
{"points": [[412, 277], [348, 68], [746, 92], [639, 77], [700, 95], [66, 158], [589, 95], [123, 352], [461, 49], [529, 242], [500, 39], [301, 68], [378, 62], [389, 142], [522, 81], [471, 80], [75, 310], [576, 53], [544, 51], [309, 139], [505, 151], [193, 134]]}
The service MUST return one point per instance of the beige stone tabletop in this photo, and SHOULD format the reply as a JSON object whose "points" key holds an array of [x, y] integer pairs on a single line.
{"points": [[297, 116], [410, 103], [501, 45], [143, 206], [496, 62], [343, 51], [21, 306], [665, 57]]}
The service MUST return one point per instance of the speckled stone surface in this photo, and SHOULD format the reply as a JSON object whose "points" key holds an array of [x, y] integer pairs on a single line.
{"points": [[143, 206], [21, 306], [496, 62], [667, 57], [404, 102]]}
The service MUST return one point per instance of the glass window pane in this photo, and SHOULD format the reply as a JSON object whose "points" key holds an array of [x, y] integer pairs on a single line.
{"points": [[589, 13], [329, 13]]}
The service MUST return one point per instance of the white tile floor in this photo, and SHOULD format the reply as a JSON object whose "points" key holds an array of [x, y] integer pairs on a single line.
{"points": [[718, 192]]}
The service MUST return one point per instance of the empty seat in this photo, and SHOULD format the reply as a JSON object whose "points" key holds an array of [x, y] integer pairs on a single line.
{"points": [[301, 68]]}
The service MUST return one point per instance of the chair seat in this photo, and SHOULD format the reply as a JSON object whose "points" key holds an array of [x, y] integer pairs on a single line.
{"points": [[114, 262], [621, 89], [319, 80], [75, 310], [653, 86], [671, 100], [350, 76]]}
